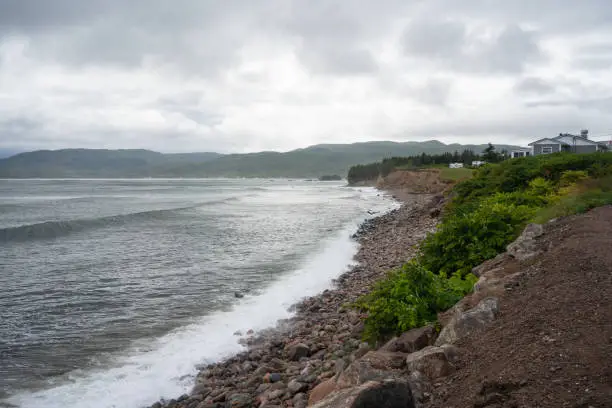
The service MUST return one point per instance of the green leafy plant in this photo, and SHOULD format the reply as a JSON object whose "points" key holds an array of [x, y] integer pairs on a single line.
{"points": [[466, 239], [409, 297]]}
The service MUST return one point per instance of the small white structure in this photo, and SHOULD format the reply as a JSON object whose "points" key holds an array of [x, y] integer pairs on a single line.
{"points": [[523, 152], [455, 165], [478, 163]]}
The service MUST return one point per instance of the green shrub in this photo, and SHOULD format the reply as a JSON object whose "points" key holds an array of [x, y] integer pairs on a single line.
{"points": [[578, 199], [466, 239], [409, 297], [516, 174], [570, 177]]}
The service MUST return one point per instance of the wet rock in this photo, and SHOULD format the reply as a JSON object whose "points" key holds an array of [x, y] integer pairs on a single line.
{"points": [[379, 394], [412, 340], [473, 320], [431, 361], [238, 295]]}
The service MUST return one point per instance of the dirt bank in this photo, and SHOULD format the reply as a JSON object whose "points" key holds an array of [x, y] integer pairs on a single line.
{"points": [[282, 365], [551, 344], [420, 181]]}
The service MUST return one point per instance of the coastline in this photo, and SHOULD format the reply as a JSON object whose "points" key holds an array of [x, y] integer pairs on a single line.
{"points": [[282, 364]]}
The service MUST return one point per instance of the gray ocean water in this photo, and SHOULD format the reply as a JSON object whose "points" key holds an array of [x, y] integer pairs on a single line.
{"points": [[111, 291]]}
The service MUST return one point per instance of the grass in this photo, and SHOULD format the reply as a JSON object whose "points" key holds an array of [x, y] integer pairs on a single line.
{"points": [[448, 174]]}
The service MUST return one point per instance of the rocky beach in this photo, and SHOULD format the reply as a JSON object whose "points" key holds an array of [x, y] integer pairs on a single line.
{"points": [[281, 366]]}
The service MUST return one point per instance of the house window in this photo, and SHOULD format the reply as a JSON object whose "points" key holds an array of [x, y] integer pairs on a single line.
{"points": [[546, 149]]}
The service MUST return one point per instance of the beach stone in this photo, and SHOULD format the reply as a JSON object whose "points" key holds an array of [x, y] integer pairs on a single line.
{"points": [[239, 401], [295, 386], [321, 391], [274, 394], [297, 351], [202, 389], [379, 394]]}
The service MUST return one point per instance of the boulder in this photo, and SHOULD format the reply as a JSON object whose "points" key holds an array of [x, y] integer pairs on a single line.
{"points": [[384, 359], [297, 351], [431, 361], [321, 391], [380, 394], [374, 366], [525, 246], [412, 340], [464, 323]]}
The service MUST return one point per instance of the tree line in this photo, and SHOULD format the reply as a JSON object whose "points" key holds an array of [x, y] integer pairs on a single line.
{"points": [[372, 171]]}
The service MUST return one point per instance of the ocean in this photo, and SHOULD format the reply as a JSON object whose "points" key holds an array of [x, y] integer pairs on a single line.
{"points": [[113, 291]]}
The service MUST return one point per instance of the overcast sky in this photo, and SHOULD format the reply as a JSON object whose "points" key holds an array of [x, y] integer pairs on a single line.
{"points": [[250, 75]]}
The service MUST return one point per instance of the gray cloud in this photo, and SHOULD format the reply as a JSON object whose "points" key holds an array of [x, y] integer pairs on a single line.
{"points": [[533, 86], [449, 44], [266, 74]]}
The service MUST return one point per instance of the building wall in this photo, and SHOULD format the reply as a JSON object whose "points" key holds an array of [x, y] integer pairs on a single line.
{"points": [[584, 149], [537, 149]]}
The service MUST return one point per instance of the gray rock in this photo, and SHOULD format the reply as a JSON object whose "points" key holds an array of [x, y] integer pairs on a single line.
{"points": [[412, 340], [473, 320], [295, 386], [297, 351], [432, 361], [374, 366], [239, 401], [525, 246], [379, 394], [275, 394]]}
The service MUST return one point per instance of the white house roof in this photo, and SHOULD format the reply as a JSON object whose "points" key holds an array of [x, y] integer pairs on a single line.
{"points": [[548, 141]]}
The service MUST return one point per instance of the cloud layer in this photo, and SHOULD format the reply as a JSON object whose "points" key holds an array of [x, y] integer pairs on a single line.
{"points": [[196, 75]]}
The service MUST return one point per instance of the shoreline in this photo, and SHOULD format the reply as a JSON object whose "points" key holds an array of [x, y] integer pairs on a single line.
{"points": [[282, 364]]}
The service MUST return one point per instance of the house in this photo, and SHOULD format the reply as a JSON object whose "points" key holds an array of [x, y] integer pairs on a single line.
{"points": [[455, 165], [522, 152], [567, 142], [478, 163]]}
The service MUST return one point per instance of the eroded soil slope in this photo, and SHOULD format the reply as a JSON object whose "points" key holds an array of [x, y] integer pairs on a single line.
{"points": [[552, 343]]}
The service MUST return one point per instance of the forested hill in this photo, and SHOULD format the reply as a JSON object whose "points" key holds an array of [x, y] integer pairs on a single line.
{"points": [[310, 162]]}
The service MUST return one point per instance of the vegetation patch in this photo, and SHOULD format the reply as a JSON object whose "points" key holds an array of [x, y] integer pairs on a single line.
{"points": [[486, 213], [454, 175]]}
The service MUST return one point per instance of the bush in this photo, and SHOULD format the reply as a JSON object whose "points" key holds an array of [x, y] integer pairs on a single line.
{"points": [[570, 177], [466, 239], [409, 297], [579, 198], [516, 174]]}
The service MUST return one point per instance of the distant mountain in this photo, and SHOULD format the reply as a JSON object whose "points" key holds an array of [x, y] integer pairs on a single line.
{"points": [[313, 161], [95, 163]]}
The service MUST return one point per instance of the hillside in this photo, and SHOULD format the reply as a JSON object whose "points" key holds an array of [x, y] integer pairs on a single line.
{"points": [[313, 161]]}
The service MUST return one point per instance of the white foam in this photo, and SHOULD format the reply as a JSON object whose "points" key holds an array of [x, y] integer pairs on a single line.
{"points": [[167, 369]]}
